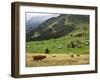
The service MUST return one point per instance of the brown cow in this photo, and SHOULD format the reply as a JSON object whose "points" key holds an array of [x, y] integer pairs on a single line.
{"points": [[71, 55], [78, 55], [38, 57]]}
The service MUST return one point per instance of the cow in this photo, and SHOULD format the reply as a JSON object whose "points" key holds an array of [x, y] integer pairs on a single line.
{"points": [[78, 55], [38, 57], [71, 55]]}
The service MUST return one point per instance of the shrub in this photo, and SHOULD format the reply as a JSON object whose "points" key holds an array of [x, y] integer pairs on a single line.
{"points": [[47, 50]]}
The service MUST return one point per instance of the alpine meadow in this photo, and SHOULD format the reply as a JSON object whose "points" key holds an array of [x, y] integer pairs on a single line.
{"points": [[56, 39]]}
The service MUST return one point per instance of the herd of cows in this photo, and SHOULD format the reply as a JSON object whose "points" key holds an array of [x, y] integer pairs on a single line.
{"points": [[41, 57]]}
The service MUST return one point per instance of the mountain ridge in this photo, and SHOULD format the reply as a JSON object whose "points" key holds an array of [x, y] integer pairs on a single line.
{"points": [[57, 27]]}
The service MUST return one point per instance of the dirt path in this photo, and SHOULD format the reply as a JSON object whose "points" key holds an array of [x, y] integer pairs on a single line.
{"points": [[56, 60]]}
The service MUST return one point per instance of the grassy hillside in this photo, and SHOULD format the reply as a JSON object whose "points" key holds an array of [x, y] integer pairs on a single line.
{"points": [[75, 42], [62, 34]]}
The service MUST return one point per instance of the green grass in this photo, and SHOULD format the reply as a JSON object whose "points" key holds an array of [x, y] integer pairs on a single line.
{"points": [[54, 44]]}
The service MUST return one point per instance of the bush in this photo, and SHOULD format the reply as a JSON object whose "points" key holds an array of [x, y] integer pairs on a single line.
{"points": [[74, 44], [47, 50]]}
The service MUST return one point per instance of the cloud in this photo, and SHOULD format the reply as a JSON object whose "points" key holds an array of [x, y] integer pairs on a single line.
{"points": [[40, 15]]}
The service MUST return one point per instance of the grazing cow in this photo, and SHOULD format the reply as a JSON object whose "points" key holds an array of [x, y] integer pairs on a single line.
{"points": [[71, 55], [38, 57], [59, 47], [27, 46], [53, 56], [78, 55]]}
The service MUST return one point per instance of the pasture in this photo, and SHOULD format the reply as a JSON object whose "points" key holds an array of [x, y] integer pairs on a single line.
{"points": [[63, 40], [56, 59], [64, 44]]}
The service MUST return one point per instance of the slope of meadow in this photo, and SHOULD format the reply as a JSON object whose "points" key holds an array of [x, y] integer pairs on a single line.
{"points": [[62, 45]]}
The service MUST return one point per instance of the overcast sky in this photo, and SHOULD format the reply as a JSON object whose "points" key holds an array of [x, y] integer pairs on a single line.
{"points": [[40, 15]]}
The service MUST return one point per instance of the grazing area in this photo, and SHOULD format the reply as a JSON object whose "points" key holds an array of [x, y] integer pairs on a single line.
{"points": [[57, 39], [64, 44], [56, 60]]}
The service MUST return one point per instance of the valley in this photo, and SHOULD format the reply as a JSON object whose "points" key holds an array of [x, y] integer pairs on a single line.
{"points": [[62, 36]]}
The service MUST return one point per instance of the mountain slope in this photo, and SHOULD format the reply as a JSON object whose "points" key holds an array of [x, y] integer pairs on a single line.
{"points": [[75, 42], [57, 27]]}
